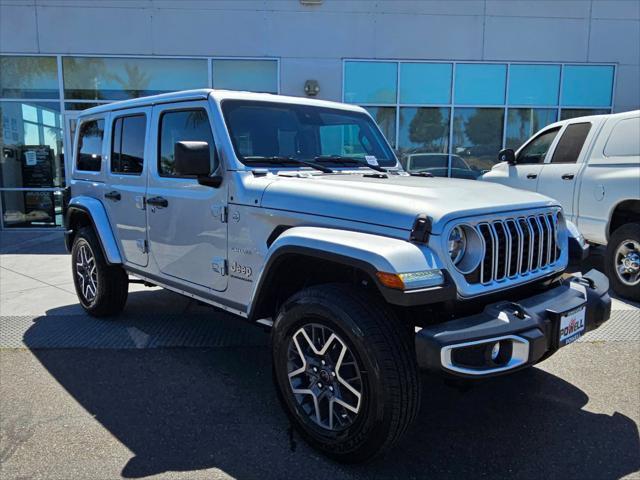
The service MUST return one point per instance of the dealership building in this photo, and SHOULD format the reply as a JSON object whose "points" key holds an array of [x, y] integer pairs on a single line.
{"points": [[458, 77]]}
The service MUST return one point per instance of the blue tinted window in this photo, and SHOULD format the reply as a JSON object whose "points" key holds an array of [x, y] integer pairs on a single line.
{"points": [[478, 84], [522, 123], [587, 86], [249, 75], [534, 84], [425, 83], [370, 82]]}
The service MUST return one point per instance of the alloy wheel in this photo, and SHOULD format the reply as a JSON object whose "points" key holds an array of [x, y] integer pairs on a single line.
{"points": [[627, 258], [87, 273], [324, 376]]}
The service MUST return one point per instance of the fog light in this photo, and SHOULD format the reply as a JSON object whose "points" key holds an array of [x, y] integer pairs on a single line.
{"points": [[495, 351]]}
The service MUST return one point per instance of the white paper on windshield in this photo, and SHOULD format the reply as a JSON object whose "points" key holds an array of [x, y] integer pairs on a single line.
{"points": [[371, 159]]}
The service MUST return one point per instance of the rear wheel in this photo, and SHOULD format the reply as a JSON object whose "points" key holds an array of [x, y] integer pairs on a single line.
{"points": [[623, 261], [101, 288], [345, 371]]}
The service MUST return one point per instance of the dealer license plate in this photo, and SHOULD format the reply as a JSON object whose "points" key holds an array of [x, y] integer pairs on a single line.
{"points": [[571, 326]]}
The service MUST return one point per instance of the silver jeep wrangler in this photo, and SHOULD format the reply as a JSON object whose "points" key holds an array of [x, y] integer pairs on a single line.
{"points": [[295, 214]]}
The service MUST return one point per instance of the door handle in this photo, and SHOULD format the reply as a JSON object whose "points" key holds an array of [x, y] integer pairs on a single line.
{"points": [[113, 195], [567, 176], [532, 176], [158, 202]]}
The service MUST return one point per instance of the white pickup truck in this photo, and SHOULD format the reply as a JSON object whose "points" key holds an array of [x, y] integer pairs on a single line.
{"points": [[591, 165]]}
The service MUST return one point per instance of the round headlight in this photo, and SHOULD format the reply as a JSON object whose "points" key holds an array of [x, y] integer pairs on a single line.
{"points": [[457, 244]]}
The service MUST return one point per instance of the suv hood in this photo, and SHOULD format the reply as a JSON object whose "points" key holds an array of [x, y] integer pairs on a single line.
{"points": [[397, 200]]}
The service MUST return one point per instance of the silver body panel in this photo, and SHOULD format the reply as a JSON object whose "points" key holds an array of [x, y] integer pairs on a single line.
{"points": [[211, 243]]}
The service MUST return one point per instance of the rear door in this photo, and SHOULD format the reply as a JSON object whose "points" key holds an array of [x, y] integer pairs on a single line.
{"points": [[127, 182], [559, 175]]}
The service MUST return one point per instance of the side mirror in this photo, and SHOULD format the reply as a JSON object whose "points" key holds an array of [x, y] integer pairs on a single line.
{"points": [[507, 155], [192, 159]]}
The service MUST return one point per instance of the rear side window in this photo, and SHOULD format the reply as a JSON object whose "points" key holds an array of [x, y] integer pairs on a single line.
{"points": [[127, 146], [178, 126], [89, 156], [537, 149], [571, 143], [624, 140]]}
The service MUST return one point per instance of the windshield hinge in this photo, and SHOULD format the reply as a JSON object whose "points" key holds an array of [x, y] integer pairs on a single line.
{"points": [[221, 212]]}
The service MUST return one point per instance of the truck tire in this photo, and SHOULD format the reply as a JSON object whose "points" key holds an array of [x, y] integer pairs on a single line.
{"points": [[622, 261], [345, 371], [101, 288]]}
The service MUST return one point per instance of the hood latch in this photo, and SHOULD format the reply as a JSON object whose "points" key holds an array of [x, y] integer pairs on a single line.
{"points": [[421, 229]]}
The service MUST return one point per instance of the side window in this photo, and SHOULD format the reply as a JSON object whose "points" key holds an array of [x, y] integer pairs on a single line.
{"points": [[624, 140], [127, 146], [183, 125], [537, 149], [571, 143], [89, 156]]}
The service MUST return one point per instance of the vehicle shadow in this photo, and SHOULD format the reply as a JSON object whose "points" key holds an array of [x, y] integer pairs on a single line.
{"points": [[187, 409]]}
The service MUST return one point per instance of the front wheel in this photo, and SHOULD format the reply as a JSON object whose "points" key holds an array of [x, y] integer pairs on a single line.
{"points": [[345, 371], [101, 288], [623, 261]]}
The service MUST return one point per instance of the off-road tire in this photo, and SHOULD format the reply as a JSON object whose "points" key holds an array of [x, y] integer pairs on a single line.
{"points": [[628, 231], [388, 368], [112, 280]]}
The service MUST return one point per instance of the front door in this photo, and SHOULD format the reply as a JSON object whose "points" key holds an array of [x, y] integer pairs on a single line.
{"points": [[187, 227], [559, 175], [529, 161], [129, 160]]}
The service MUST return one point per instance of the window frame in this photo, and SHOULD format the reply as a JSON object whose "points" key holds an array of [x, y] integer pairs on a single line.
{"points": [[585, 143], [212, 148], [550, 128], [113, 120], [559, 107], [76, 143]]}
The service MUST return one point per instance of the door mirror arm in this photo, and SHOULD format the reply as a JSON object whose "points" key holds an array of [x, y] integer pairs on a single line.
{"points": [[214, 181], [507, 155]]}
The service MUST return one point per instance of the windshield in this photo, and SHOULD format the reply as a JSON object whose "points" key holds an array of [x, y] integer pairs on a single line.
{"points": [[280, 130]]}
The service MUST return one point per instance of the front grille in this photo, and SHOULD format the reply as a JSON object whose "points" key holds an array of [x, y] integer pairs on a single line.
{"points": [[516, 247]]}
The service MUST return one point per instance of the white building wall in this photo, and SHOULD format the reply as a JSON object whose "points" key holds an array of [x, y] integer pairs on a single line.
{"points": [[312, 40]]}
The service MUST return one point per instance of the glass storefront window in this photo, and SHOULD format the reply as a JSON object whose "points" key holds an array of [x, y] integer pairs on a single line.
{"points": [[534, 84], [31, 143], [385, 117], [249, 75], [587, 86], [567, 113], [477, 136], [425, 83], [31, 209], [370, 82], [480, 84], [522, 123], [29, 77], [70, 106], [103, 78], [423, 130]]}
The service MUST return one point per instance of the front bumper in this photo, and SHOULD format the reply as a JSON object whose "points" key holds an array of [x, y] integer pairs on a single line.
{"points": [[508, 336]]}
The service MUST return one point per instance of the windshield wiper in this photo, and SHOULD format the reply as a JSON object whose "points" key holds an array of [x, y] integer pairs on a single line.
{"points": [[348, 161], [283, 160]]}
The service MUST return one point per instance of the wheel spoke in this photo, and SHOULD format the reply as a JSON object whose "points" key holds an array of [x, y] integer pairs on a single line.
{"points": [[317, 358], [345, 383]]}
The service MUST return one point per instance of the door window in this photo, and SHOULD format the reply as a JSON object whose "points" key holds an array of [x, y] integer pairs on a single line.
{"points": [[90, 146], [537, 149], [178, 126], [571, 143], [127, 147]]}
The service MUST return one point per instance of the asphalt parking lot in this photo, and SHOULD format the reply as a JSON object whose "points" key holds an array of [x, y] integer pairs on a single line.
{"points": [[174, 389]]}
